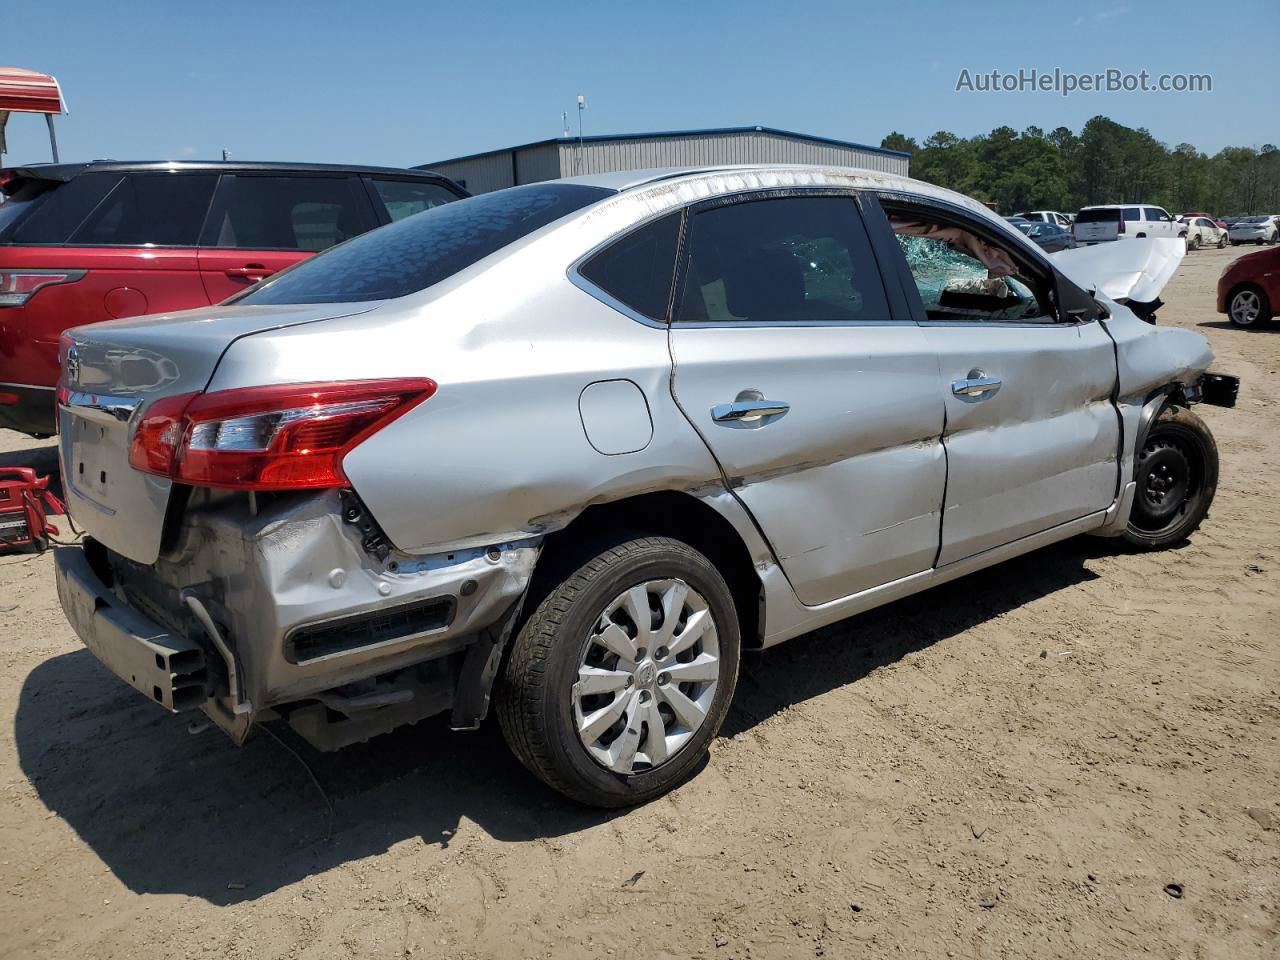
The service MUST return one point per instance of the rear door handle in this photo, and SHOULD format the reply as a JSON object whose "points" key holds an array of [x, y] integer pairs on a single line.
{"points": [[748, 410], [976, 386], [248, 271]]}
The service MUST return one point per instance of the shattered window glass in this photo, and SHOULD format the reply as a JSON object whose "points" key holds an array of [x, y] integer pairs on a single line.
{"points": [[958, 287]]}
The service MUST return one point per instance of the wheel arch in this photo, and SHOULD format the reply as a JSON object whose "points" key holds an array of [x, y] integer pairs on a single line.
{"points": [[680, 515]]}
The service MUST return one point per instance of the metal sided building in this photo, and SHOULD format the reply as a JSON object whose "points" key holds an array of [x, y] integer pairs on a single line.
{"points": [[569, 156]]}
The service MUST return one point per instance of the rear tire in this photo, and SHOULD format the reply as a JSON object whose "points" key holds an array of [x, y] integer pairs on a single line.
{"points": [[660, 725], [1177, 475], [1194, 242]]}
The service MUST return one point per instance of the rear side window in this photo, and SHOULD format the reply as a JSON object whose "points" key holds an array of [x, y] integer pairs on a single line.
{"points": [[404, 198], [638, 269], [1132, 214], [156, 209], [417, 252], [1101, 215], [63, 208], [784, 260], [22, 199], [286, 213]]}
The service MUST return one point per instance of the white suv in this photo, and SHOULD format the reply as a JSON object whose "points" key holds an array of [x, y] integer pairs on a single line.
{"points": [[1116, 221]]}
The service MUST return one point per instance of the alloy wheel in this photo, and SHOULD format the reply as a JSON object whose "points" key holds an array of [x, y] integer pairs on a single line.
{"points": [[1245, 308], [647, 676]]}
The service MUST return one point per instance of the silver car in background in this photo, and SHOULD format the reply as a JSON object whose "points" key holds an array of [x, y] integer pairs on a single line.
{"points": [[577, 444]]}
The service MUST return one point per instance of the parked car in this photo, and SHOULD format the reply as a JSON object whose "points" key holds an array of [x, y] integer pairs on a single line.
{"points": [[1217, 221], [1249, 288], [1203, 232], [579, 443], [1049, 216], [80, 243], [1254, 230], [1048, 236], [1118, 221]]}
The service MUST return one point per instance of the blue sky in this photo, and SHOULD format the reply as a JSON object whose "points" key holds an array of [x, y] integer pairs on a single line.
{"points": [[401, 83]]}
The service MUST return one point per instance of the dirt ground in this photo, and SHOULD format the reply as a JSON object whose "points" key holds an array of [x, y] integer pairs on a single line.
{"points": [[1015, 765]]}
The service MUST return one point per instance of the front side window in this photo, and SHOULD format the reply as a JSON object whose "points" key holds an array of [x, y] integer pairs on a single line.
{"points": [[784, 260], [160, 209], [286, 213], [404, 198], [964, 277], [417, 252], [1155, 214], [638, 270]]}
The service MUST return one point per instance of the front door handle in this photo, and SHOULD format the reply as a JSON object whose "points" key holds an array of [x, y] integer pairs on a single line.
{"points": [[976, 386], [747, 410]]}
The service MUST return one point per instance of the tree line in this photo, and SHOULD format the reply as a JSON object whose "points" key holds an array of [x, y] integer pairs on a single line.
{"points": [[1106, 162]]}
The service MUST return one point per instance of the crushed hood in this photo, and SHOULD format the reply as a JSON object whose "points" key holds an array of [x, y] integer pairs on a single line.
{"points": [[1136, 269]]}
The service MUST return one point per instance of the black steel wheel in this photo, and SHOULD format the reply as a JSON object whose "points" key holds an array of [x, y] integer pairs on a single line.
{"points": [[1177, 474]]}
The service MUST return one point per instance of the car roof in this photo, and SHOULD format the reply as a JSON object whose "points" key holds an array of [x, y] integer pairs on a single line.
{"points": [[66, 171], [785, 173]]}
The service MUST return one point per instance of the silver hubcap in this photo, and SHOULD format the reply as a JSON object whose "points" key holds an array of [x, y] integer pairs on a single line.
{"points": [[647, 676], [1245, 307]]}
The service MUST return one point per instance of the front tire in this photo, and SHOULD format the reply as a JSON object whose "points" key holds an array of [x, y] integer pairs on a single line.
{"points": [[620, 678], [1177, 475], [1248, 306]]}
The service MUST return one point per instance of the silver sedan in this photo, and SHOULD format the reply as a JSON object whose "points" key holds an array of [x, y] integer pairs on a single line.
{"points": [[573, 446]]}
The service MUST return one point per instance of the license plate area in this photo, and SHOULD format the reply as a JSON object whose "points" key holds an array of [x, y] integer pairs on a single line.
{"points": [[96, 453], [115, 504]]}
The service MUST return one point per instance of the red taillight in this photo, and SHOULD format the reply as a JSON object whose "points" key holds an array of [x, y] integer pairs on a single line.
{"points": [[18, 286], [287, 437], [1120, 229]]}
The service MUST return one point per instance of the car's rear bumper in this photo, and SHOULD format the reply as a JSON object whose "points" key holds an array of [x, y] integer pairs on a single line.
{"points": [[28, 409], [290, 600], [167, 668]]}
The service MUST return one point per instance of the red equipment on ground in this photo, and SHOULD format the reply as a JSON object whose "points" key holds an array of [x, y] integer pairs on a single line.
{"points": [[24, 499]]}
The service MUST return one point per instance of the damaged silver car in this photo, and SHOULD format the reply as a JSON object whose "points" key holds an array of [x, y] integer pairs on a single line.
{"points": [[576, 445]]}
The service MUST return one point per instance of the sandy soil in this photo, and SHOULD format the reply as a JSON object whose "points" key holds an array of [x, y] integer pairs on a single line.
{"points": [[1016, 765]]}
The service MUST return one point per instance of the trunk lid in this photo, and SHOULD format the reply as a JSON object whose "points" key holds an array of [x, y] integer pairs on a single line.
{"points": [[111, 373]]}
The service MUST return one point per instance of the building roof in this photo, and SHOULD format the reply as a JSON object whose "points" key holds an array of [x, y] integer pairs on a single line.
{"points": [[671, 135]]}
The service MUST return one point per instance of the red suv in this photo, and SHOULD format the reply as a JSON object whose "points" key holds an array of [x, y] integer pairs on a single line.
{"points": [[80, 243]]}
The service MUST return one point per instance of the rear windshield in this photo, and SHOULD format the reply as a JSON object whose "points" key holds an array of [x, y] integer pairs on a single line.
{"points": [[1101, 215], [421, 250], [21, 198]]}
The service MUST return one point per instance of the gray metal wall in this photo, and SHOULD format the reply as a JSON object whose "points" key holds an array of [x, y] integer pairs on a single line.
{"points": [[549, 161], [604, 156], [493, 171]]}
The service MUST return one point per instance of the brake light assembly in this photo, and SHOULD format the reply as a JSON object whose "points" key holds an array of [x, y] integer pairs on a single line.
{"points": [[17, 286], [283, 437]]}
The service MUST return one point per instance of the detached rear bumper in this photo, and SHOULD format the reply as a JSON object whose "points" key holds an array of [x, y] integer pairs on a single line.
{"points": [[164, 667]]}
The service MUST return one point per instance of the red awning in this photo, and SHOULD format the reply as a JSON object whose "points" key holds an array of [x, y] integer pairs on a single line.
{"points": [[25, 91]]}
